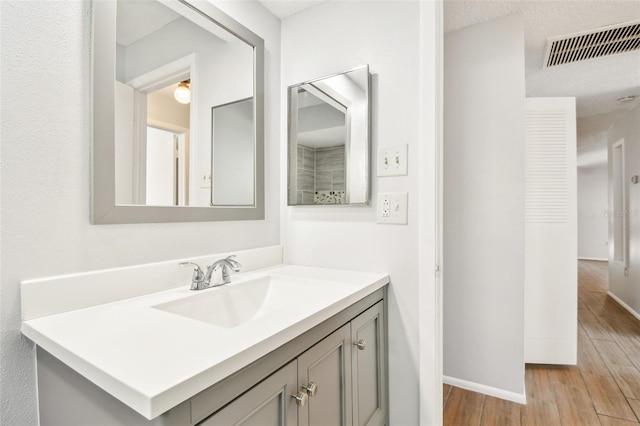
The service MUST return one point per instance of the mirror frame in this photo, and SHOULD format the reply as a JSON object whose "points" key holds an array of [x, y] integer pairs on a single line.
{"points": [[292, 139], [104, 209]]}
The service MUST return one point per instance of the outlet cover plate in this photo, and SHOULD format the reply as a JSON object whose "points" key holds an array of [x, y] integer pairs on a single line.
{"points": [[392, 208], [392, 160]]}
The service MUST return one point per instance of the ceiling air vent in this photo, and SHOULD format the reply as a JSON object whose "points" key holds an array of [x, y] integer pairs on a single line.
{"points": [[604, 41]]}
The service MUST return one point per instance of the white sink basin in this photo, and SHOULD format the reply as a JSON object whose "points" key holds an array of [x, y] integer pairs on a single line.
{"points": [[235, 304]]}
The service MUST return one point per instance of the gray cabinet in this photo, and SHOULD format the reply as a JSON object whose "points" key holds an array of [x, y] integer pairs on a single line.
{"points": [[269, 403]]}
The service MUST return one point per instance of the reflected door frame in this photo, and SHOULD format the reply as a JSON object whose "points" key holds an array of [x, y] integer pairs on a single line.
{"points": [[174, 72]]}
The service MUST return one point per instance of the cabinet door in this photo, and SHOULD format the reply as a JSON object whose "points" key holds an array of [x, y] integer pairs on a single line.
{"points": [[328, 365], [267, 404], [369, 367]]}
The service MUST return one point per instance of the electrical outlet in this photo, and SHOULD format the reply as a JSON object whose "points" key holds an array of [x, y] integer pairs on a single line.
{"points": [[392, 160], [386, 207], [392, 208]]}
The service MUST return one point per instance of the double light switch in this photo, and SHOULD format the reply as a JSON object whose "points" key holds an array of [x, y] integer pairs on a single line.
{"points": [[392, 160]]}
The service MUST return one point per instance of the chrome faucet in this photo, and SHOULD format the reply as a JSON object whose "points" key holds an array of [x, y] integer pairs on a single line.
{"points": [[200, 280], [227, 264]]}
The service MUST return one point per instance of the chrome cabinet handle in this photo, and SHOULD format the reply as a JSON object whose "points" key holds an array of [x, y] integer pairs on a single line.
{"points": [[311, 388], [361, 344], [301, 398]]}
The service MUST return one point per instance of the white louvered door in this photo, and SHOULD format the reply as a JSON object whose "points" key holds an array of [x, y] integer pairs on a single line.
{"points": [[551, 238]]}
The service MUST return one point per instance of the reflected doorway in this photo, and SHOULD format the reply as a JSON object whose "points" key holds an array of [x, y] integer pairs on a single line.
{"points": [[165, 171]]}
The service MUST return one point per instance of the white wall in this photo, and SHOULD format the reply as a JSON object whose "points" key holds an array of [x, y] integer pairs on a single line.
{"points": [[483, 280], [334, 37], [45, 177], [591, 133], [593, 222], [627, 288]]}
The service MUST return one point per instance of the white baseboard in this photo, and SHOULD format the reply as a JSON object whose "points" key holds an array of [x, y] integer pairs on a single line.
{"points": [[593, 258], [486, 390], [624, 305]]}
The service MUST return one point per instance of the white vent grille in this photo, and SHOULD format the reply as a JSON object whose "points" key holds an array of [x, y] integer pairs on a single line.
{"points": [[605, 41], [546, 186]]}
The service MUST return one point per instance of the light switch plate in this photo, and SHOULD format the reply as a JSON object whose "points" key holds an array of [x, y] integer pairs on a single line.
{"points": [[392, 160], [392, 208]]}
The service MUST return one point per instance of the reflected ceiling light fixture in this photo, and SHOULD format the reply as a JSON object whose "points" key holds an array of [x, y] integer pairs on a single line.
{"points": [[182, 92]]}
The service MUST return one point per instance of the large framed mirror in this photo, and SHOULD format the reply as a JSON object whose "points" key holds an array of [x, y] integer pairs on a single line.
{"points": [[329, 140], [178, 114]]}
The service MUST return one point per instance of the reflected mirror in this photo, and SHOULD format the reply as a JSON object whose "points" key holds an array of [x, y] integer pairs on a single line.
{"points": [[329, 140], [178, 89], [232, 141]]}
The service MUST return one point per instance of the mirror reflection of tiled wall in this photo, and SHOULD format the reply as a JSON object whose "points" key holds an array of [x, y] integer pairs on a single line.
{"points": [[321, 173]]}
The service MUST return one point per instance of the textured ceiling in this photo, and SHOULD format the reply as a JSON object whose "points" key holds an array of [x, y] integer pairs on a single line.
{"points": [[596, 83]]}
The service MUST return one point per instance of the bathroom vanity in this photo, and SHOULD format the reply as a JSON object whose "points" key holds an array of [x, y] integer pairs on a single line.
{"points": [[281, 345]]}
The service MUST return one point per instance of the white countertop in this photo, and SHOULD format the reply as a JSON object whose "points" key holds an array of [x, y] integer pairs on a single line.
{"points": [[153, 360]]}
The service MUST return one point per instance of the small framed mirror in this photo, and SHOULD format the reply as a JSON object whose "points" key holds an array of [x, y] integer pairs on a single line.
{"points": [[178, 114], [329, 140]]}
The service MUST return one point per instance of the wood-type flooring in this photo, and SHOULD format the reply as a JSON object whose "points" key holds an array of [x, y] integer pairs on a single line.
{"points": [[602, 390]]}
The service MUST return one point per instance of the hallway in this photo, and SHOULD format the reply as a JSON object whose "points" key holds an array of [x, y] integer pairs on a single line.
{"points": [[603, 389]]}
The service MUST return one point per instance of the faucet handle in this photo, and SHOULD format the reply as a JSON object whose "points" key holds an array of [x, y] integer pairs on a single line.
{"points": [[225, 266], [198, 276], [233, 264], [196, 268]]}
